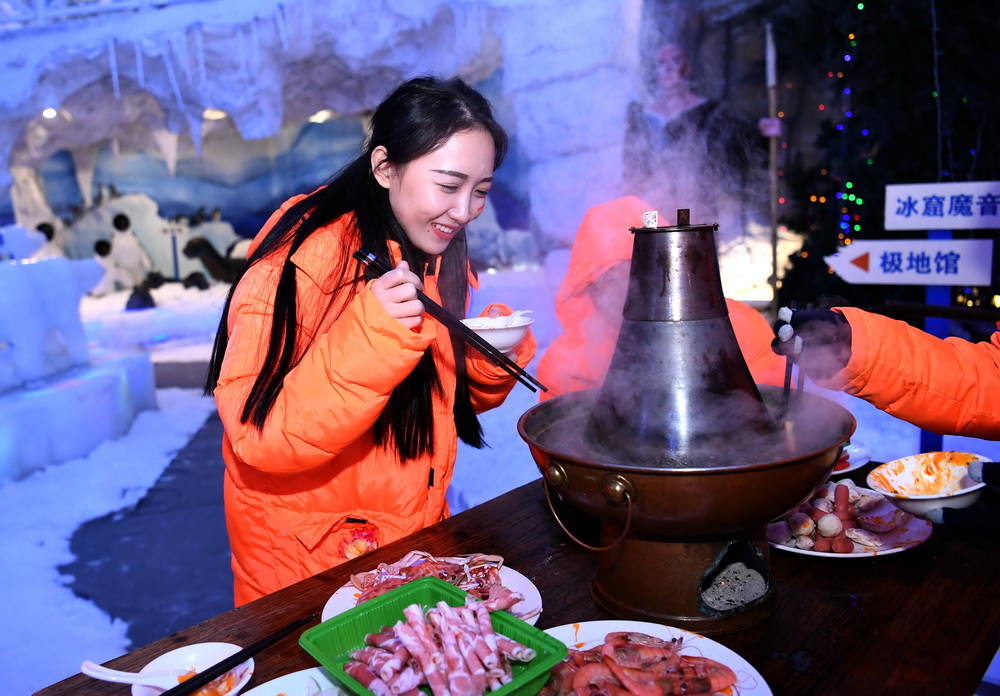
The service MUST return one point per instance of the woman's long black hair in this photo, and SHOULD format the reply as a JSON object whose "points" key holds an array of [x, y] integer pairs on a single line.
{"points": [[415, 119]]}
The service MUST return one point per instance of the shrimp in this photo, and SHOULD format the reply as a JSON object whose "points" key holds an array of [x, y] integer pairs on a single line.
{"points": [[640, 651], [596, 679], [697, 675]]}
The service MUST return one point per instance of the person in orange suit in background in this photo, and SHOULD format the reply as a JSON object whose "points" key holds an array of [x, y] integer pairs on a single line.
{"points": [[590, 300]]}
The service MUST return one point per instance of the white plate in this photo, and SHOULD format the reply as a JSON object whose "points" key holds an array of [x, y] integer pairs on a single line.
{"points": [[197, 656], [347, 596], [912, 532], [582, 636], [307, 682], [857, 456]]}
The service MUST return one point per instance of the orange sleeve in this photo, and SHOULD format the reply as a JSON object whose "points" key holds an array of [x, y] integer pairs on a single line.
{"points": [[947, 386], [754, 334]]}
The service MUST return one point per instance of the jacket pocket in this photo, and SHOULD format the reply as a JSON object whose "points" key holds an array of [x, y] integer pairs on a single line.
{"points": [[343, 536]]}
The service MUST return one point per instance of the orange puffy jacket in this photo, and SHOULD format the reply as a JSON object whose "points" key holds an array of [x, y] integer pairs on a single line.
{"points": [[579, 358], [311, 489], [948, 386]]}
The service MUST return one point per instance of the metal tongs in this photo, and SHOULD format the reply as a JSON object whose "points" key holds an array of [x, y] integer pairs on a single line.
{"points": [[785, 314], [455, 325]]}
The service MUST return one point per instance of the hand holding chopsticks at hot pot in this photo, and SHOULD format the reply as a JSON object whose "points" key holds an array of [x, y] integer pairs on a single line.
{"points": [[413, 300], [948, 386], [342, 404]]}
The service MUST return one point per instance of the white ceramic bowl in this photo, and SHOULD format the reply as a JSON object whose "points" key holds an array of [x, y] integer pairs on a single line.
{"points": [[926, 481], [498, 332], [199, 657]]}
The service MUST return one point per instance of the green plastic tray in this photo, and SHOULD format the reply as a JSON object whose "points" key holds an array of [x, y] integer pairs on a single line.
{"points": [[332, 641]]}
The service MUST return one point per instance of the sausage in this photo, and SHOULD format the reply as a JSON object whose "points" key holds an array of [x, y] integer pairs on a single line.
{"points": [[822, 544], [841, 498], [841, 544]]}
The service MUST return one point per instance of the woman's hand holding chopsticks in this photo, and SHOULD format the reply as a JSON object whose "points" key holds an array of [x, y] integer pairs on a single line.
{"points": [[455, 325], [398, 293]]}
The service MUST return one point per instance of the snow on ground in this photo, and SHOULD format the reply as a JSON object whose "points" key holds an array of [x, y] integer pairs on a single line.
{"points": [[48, 630]]}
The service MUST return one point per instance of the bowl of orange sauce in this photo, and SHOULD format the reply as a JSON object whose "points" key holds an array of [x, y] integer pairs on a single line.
{"points": [[923, 482]]}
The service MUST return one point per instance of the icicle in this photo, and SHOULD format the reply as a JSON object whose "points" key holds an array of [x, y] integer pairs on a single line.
{"points": [[178, 44], [84, 164], [199, 51], [173, 80], [113, 57], [195, 125], [279, 19], [140, 75], [166, 142]]}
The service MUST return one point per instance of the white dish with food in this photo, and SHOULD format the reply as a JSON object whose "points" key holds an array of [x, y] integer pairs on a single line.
{"points": [[531, 606], [906, 535], [589, 634], [928, 481], [198, 657], [503, 333], [315, 681]]}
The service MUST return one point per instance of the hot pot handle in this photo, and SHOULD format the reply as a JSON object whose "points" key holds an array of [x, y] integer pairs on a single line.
{"points": [[628, 521]]}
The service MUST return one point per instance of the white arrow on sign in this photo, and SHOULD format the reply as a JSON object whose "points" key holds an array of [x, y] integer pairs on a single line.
{"points": [[915, 262]]}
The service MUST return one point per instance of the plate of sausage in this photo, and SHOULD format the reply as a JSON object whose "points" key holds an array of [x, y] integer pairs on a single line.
{"points": [[844, 520]]}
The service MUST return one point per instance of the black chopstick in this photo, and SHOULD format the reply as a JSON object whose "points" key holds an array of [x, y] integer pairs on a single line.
{"points": [[455, 324], [219, 668]]}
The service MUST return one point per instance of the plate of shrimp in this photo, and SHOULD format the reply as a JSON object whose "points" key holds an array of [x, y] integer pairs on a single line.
{"points": [[705, 667]]}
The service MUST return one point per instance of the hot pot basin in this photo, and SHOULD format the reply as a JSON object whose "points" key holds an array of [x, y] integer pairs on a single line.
{"points": [[682, 542]]}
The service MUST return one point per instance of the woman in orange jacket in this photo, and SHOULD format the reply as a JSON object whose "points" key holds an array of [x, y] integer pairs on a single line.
{"points": [[590, 300], [948, 386], [342, 403]]}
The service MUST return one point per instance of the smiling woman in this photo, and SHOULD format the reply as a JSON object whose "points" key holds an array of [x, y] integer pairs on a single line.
{"points": [[342, 403], [435, 196]]}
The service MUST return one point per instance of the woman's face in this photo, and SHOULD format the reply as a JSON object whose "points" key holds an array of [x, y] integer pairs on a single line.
{"points": [[434, 196], [671, 66]]}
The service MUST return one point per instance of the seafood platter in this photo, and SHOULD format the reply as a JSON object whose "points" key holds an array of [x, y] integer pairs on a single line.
{"points": [[679, 455]]}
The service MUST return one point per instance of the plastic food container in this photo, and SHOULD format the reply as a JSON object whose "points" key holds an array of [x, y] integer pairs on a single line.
{"points": [[332, 641]]}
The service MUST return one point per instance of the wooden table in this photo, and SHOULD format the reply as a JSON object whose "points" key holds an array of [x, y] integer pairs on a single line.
{"points": [[924, 621]]}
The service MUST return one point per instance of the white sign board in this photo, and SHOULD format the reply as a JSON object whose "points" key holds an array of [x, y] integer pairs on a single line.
{"points": [[915, 262], [953, 205]]}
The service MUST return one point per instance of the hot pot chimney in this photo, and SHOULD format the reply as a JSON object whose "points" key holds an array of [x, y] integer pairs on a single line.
{"points": [[678, 387]]}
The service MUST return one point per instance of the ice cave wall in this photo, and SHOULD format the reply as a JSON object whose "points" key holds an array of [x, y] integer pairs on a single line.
{"points": [[142, 80]]}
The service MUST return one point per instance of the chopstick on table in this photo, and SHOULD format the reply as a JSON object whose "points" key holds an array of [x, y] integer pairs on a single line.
{"points": [[219, 668], [456, 325]]}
